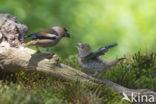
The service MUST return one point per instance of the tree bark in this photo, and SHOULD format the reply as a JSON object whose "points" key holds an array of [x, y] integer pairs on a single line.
{"points": [[14, 58]]}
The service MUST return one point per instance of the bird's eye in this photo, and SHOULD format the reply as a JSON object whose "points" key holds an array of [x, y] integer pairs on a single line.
{"points": [[65, 30], [82, 46]]}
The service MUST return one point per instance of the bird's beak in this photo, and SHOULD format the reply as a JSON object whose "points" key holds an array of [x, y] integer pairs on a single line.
{"points": [[67, 35], [78, 45]]}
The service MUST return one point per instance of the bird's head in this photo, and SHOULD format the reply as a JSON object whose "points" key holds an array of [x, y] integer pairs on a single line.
{"points": [[83, 49], [62, 31]]}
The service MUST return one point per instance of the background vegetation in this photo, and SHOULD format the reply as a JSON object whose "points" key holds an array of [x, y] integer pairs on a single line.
{"points": [[130, 23]]}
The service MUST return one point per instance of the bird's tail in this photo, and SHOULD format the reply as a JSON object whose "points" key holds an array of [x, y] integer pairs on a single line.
{"points": [[121, 59], [110, 46], [114, 62], [27, 36]]}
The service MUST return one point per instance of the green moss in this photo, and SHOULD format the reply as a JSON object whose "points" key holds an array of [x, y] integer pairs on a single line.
{"points": [[36, 88]]}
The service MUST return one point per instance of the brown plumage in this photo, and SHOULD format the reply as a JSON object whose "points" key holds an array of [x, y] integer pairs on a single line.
{"points": [[91, 62], [48, 37]]}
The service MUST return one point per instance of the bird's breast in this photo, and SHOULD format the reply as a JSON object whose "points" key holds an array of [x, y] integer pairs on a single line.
{"points": [[91, 65]]}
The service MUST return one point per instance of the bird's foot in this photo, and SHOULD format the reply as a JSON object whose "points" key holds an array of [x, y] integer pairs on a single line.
{"points": [[38, 52], [47, 49], [52, 54]]}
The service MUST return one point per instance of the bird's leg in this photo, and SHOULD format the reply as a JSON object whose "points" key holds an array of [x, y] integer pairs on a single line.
{"points": [[38, 50], [52, 53], [47, 49], [29, 43], [32, 42]]}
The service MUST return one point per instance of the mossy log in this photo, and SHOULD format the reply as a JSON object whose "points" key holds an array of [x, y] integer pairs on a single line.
{"points": [[14, 58]]}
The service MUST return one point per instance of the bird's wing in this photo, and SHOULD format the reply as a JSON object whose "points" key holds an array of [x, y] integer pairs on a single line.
{"points": [[43, 35], [100, 51], [50, 31]]}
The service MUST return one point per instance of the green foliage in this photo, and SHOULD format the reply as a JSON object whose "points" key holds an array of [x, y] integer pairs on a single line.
{"points": [[94, 94], [137, 71], [78, 93], [16, 94]]}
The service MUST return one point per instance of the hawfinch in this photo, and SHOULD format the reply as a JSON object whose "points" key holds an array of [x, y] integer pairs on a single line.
{"points": [[90, 60], [47, 38]]}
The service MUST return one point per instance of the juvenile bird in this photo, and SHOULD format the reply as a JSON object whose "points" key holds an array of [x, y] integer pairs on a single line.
{"points": [[90, 60], [47, 38]]}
